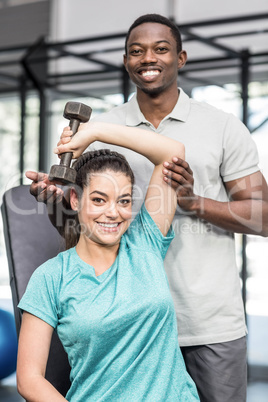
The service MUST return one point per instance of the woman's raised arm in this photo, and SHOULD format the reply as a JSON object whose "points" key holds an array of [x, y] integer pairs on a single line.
{"points": [[160, 198]]}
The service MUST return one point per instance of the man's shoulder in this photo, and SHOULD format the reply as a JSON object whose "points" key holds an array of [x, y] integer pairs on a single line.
{"points": [[200, 110], [116, 115], [205, 107]]}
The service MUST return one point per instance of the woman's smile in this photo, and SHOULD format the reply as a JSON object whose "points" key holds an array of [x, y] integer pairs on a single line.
{"points": [[105, 208], [109, 226]]}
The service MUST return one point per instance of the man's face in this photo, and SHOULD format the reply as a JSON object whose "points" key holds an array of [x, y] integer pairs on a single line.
{"points": [[152, 60]]}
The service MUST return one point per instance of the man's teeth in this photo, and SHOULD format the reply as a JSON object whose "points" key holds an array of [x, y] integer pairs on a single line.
{"points": [[150, 73], [109, 225]]}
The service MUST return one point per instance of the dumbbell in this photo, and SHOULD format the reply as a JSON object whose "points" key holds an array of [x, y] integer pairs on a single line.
{"points": [[77, 113]]}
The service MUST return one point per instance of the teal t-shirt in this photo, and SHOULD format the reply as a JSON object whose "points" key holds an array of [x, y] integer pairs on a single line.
{"points": [[119, 329]]}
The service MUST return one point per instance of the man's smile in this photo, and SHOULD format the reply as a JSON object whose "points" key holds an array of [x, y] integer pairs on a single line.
{"points": [[149, 73]]}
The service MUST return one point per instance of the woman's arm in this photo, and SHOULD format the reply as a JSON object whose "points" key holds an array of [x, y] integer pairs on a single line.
{"points": [[161, 198], [34, 343]]}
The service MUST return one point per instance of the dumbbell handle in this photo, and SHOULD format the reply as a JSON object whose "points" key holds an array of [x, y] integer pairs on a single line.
{"points": [[76, 113], [66, 157]]}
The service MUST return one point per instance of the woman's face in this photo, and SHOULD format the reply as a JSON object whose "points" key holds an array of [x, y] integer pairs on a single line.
{"points": [[104, 211]]}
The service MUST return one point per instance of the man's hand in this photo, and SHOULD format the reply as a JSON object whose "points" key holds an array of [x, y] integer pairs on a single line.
{"points": [[42, 189], [179, 176], [245, 212]]}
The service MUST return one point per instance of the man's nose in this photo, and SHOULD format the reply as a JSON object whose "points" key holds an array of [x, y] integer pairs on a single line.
{"points": [[149, 57]]}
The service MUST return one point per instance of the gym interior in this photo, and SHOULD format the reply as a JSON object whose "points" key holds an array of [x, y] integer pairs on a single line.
{"points": [[55, 51]]}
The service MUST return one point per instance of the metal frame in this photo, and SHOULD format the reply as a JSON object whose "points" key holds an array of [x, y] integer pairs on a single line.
{"points": [[42, 52]]}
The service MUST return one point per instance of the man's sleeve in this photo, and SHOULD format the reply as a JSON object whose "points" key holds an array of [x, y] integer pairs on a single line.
{"points": [[240, 155]]}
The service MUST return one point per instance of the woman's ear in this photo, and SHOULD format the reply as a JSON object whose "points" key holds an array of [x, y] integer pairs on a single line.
{"points": [[74, 202]]}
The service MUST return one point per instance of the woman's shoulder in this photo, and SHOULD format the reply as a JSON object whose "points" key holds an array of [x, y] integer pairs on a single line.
{"points": [[55, 266], [145, 234]]}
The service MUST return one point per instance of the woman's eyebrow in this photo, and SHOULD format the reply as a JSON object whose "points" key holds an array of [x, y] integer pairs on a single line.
{"points": [[99, 192], [124, 195]]}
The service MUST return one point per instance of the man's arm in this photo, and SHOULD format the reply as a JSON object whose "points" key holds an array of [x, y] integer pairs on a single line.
{"points": [[246, 212]]}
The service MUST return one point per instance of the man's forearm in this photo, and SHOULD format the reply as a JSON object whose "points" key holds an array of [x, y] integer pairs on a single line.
{"points": [[246, 216]]}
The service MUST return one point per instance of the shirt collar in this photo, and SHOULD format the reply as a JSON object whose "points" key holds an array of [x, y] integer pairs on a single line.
{"points": [[180, 112]]}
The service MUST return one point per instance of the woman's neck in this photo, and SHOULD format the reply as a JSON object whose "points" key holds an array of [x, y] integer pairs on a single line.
{"points": [[99, 256]]}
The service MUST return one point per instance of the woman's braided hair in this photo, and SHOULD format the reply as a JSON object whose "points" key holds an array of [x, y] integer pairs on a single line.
{"points": [[99, 161], [88, 163]]}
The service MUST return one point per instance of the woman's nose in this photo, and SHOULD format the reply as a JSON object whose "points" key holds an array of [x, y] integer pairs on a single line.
{"points": [[112, 211]]}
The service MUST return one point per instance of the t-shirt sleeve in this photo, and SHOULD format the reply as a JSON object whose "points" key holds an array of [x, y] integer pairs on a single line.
{"points": [[240, 155], [145, 234], [40, 297]]}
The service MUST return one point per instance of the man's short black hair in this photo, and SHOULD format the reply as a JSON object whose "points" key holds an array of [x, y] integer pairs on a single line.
{"points": [[159, 19]]}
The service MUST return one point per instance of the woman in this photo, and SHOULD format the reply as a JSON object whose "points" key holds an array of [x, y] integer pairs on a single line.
{"points": [[108, 297]]}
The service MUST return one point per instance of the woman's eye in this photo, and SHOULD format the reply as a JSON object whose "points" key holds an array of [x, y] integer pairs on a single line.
{"points": [[125, 201], [98, 200]]}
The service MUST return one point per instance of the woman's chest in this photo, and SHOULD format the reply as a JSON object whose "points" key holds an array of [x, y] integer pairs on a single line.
{"points": [[134, 290]]}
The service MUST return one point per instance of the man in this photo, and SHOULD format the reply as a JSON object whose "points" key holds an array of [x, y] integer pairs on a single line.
{"points": [[220, 191]]}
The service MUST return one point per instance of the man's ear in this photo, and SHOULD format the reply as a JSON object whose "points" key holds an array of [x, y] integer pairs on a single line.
{"points": [[74, 202], [125, 61], [182, 58]]}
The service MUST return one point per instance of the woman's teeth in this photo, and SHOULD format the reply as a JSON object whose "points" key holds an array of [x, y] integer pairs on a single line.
{"points": [[108, 225]]}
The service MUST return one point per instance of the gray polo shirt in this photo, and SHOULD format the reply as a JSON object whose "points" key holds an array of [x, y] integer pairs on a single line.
{"points": [[200, 263]]}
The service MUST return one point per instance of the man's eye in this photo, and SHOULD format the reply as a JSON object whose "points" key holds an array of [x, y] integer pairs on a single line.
{"points": [[135, 51], [162, 49]]}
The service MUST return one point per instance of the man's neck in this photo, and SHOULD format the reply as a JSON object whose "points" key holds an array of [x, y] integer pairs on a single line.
{"points": [[156, 108]]}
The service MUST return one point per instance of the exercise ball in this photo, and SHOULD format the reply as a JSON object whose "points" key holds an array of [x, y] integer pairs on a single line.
{"points": [[8, 344]]}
